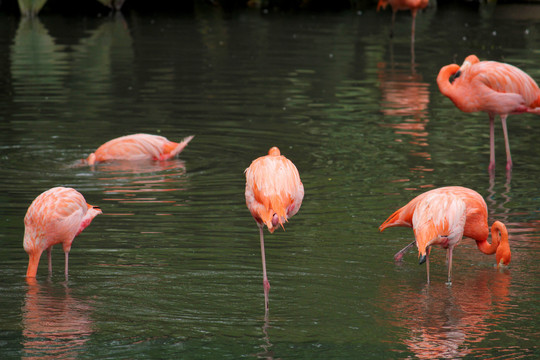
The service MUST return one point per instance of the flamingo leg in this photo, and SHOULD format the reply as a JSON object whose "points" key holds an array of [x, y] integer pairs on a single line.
{"points": [[449, 258], [506, 143], [427, 266], [49, 258], [393, 21], [491, 142], [66, 266], [266, 284], [400, 253], [413, 12]]}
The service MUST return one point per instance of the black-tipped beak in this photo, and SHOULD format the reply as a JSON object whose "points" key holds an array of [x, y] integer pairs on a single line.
{"points": [[455, 76], [422, 260]]}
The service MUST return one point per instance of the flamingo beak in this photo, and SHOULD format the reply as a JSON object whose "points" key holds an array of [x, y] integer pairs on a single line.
{"points": [[455, 76], [423, 259]]}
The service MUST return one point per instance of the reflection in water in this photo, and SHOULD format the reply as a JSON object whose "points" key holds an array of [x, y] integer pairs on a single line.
{"points": [[55, 324], [405, 95], [39, 63], [139, 181], [443, 320], [267, 353], [36, 63]]}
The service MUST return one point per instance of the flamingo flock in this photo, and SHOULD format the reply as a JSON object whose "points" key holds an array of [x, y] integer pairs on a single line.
{"points": [[274, 192]]}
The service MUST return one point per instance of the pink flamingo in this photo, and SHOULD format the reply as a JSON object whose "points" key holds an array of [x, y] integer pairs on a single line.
{"points": [[274, 193], [493, 87], [138, 147], [442, 217], [56, 216]]}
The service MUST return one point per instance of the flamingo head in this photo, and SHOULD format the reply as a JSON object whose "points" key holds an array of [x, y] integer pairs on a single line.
{"points": [[503, 256]]}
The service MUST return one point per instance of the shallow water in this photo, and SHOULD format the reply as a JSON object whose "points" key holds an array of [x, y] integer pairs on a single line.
{"points": [[172, 267]]}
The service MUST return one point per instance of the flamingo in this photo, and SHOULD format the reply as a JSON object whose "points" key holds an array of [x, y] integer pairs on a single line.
{"points": [[137, 147], [274, 193], [412, 5], [493, 87], [442, 217], [56, 216]]}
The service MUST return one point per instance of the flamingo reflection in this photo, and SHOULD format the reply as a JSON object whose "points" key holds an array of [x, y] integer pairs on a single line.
{"points": [[404, 95], [55, 324], [267, 352], [142, 181], [443, 321]]}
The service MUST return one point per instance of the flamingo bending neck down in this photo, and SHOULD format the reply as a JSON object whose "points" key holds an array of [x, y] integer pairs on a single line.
{"points": [[442, 217], [137, 147], [56, 216], [274, 194], [493, 87]]}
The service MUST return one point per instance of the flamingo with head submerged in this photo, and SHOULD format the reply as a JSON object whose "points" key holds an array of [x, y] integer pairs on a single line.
{"points": [[56, 216]]}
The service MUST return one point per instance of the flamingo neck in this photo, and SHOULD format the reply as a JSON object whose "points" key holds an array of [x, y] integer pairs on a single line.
{"points": [[499, 244], [443, 79], [33, 263]]}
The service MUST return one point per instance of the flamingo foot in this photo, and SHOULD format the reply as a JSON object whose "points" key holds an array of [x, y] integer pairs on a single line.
{"points": [[399, 255], [491, 167], [509, 165]]}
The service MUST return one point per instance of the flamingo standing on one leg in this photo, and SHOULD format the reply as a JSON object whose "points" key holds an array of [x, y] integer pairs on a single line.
{"points": [[56, 216], [137, 147], [443, 216], [490, 86], [412, 5], [274, 193]]}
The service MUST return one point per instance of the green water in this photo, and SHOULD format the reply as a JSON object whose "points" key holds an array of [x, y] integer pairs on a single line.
{"points": [[172, 268]]}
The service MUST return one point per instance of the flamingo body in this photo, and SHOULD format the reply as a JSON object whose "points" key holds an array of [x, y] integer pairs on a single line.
{"points": [[397, 5], [493, 87], [443, 216], [273, 194], [56, 216], [138, 147]]}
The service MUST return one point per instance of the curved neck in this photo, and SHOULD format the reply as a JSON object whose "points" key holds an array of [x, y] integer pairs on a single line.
{"points": [[443, 79], [488, 248], [499, 240]]}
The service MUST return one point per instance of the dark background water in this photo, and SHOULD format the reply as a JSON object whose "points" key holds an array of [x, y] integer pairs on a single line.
{"points": [[172, 267]]}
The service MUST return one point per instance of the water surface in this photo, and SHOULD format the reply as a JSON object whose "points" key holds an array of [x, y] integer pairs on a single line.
{"points": [[172, 267]]}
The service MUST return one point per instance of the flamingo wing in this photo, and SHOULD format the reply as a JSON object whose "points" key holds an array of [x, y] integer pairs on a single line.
{"points": [[273, 186], [439, 219]]}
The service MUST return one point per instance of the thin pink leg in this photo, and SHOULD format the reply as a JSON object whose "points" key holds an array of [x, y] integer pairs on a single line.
{"points": [[491, 142], [393, 21], [413, 12], [67, 260], [266, 284], [506, 143], [427, 266], [49, 258], [449, 257], [400, 253]]}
